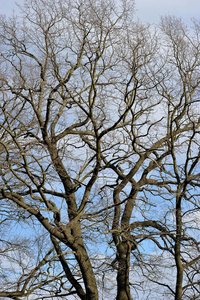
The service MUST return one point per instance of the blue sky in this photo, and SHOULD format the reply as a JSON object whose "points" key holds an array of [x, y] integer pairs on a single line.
{"points": [[152, 10], [146, 10]]}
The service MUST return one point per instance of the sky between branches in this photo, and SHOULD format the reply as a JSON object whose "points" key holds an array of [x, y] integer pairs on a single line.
{"points": [[146, 10]]}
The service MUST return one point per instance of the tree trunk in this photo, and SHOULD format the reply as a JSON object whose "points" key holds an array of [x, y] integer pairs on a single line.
{"points": [[179, 266], [179, 280], [123, 289], [87, 273]]}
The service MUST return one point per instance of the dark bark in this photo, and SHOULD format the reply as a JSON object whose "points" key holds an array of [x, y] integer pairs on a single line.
{"points": [[76, 244], [179, 266], [123, 257], [87, 273]]}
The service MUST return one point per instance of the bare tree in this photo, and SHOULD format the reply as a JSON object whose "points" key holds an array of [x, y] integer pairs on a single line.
{"points": [[99, 151], [175, 181]]}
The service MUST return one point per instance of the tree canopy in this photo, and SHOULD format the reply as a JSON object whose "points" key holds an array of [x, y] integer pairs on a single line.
{"points": [[99, 153]]}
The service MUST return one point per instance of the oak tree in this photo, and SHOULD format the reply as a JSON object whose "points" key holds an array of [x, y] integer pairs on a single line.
{"points": [[99, 153]]}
